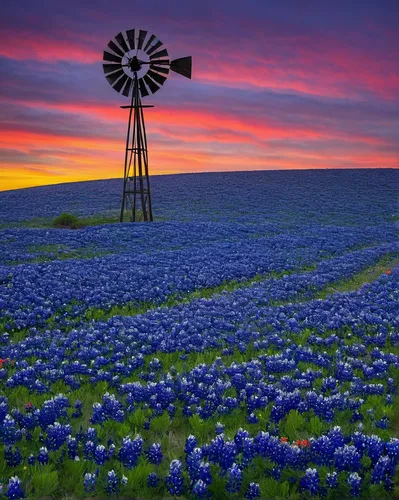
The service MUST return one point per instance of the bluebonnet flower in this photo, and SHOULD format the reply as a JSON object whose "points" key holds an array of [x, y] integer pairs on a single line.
{"points": [[235, 479], [100, 455], [91, 435], [12, 456], [130, 451], [252, 418], [253, 491], [354, 481], [89, 450], [347, 458], [9, 433], [332, 479], [239, 437], [15, 489], [200, 489], [310, 481], [57, 435], [112, 482], [249, 450], [219, 428], [174, 480], [152, 480], [393, 449], [77, 413], [72, 444], [193, 461], [42, 457], [31, 459], [204, 472], [228, 454], [154, 454], [191, 443], [383, 468], [89, 482]]}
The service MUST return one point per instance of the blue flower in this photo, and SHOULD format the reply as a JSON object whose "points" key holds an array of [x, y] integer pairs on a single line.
{"points": [[253, 491], [174, 480], [15, 489], [154, 454], [89, 482], [235, 479], [310, 481]]}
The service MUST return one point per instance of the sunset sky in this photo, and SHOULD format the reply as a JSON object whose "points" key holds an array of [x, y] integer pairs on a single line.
{"points": [[276, 85]]}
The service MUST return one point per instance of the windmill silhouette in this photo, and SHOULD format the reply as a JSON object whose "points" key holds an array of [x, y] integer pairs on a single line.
{"points": [[137, 64]]}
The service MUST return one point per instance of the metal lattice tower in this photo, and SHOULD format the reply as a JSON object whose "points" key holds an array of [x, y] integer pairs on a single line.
{"points": [[138, 65]]}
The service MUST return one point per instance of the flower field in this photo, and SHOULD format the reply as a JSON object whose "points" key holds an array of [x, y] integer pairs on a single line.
{"points": [[244, 345]]}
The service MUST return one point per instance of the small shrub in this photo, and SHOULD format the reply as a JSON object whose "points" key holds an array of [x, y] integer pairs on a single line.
{"points": [[66, 220]]}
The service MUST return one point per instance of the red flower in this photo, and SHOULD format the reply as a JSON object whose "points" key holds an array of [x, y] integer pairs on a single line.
{"points": [[388, 271], [283, 439], [305, 442]]}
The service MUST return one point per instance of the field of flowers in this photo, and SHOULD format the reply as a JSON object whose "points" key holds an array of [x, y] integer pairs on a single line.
{"points": [[244, 345]]}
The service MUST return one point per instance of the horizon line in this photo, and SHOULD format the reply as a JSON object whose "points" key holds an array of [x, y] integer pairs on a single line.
{"points": [[206, 172]]}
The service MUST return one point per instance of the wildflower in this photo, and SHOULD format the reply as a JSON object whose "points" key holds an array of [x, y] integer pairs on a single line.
{"points": [[283, 439], [191, 443], [235, 479], [152, 480], [15, 490], [332, 479], [100, 455], [200, 488], [310, 481], [89, 482], [253, 491], [130, 451], [174, 480], [354, 482], [154, 454], [42, 458], [113, 482], [388, 271], [219, 428]]}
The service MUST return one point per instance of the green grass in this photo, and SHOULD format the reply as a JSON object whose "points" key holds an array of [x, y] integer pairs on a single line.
{"points": [[368, 275]]}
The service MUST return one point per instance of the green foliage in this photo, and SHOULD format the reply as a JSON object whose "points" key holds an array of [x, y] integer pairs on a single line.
{"points": [[292, 426], [66, 220], [45, 483]]}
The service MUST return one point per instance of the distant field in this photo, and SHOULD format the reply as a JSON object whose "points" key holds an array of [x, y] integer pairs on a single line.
{"points": [[243, 345]]}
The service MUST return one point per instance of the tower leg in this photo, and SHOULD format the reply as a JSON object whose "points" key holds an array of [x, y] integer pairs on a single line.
{"points": [[136, 184]]}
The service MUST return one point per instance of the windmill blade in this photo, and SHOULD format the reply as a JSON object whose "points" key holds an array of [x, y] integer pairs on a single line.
{"points": [[112, 57], [119, 38], [155, 76], [151, 84], [115, 48], [161, 53], [151, 39], [110, 68], [182, 66], [160, 69], [143, 89], [131, 39], [121, 82], [142, 36], [155, 47], [114, 76], [128, 86]]}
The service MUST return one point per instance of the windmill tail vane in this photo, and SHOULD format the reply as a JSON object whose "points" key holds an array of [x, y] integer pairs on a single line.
{"points": [[136, 64]]}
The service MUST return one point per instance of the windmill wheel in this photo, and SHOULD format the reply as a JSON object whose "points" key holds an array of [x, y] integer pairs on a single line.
{"points": [[139, 53]]}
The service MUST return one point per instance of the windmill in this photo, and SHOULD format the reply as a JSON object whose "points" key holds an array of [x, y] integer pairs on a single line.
{"points": [[136, 64]]}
